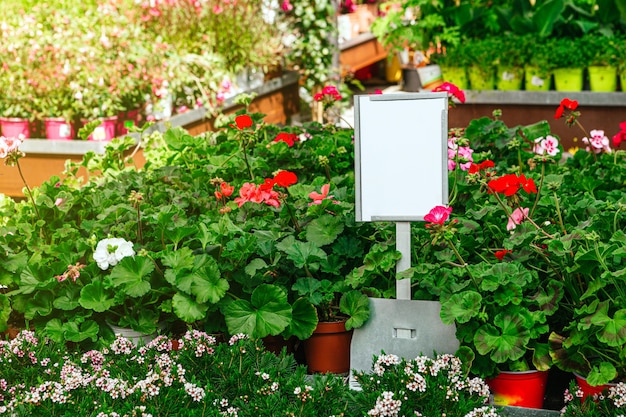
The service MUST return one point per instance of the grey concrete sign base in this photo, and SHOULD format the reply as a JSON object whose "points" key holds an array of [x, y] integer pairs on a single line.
{"points": [[406, 328]]}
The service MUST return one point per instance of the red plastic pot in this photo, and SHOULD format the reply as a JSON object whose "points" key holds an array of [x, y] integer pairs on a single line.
{"points": [[125, 119], [15, 126], [590, 389], [328, 349], [106, 131], [519, 389]]}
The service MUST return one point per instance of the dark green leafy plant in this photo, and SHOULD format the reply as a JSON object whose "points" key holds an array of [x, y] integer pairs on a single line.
{"points": [[249, 250], [532, 251]]}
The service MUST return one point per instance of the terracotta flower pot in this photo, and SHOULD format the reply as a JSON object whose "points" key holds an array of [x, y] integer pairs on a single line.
{"points": [[328, 349], [519, 389]]}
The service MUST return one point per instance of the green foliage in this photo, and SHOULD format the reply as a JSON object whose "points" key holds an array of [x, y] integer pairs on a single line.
{"points": [[541, 291], [192, 245]]}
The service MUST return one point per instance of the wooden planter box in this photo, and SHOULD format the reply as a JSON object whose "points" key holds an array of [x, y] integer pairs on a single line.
{"points": [[602, 111], [278, 99]]}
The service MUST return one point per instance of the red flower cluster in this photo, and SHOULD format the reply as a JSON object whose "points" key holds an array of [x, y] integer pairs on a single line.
{"points": [[571, 105], [452, 90], [264, 193], [566, 103], [329, 93], [243, 121], [509, 184], [502, 253], [226, 190], [483, 166], [620, 136], [288, 138]]}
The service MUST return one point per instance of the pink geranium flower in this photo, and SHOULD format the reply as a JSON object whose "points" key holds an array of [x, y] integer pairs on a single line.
{"points": [[597, 142], [518, 215], [548, 145], [438, 215], [317, 197]]}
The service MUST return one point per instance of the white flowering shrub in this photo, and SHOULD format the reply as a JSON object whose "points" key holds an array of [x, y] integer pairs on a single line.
{"points": [[422, 387]]}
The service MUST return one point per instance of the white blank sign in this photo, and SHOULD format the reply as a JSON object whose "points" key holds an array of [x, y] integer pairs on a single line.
{"points": [[401, 157]]}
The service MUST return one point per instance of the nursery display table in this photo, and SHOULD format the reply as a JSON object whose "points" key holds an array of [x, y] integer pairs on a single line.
{"points": [[603, 111], [360, 52], [278, 99]]}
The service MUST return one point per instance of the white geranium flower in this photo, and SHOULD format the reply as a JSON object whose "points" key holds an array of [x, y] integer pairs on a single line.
{"points": [[110, 251]]}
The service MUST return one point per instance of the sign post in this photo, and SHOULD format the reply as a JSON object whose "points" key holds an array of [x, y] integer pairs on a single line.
{"points": [[401, 169]]}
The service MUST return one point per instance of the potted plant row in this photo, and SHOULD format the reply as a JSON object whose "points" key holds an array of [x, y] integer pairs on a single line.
{"points": [[63, 66]]}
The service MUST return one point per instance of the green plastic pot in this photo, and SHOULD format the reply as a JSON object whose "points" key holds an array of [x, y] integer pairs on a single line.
{"points": [[456, 76], [568, 79], [535, 79], [481, 78], [602, 78], [509, 78]]}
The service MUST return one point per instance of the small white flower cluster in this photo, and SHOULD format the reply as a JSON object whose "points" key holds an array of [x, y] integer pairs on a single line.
{"points": [[618, 394], [109, 252], [385, 361], [234, 339], [226, 409], [386, 406], [303, 395], [485, 411], [195, 392], [122, 345]]}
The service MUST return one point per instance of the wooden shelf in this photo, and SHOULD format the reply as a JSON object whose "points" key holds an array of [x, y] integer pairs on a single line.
{"points": [[360, 52]]}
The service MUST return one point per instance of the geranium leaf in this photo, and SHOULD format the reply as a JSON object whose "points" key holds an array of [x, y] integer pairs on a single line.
{"points": [[39, 304], [5, 312], [303, 321], [187, 309], [601, 374], [204, 281], [77, 332], [357, 306], [94, 297], [130, 273], [179, 259], [54, 330], [324, 230], [68, 299], [267, 313], [461, 307], [614, 331], [301, 253], [208, 285], [504, 341], [254, 266]]}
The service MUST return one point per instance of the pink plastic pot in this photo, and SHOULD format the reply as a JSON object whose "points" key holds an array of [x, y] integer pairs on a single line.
{"points": [[57, 128], [15, 126]]}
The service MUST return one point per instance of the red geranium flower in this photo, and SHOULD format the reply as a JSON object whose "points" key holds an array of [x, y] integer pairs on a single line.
{"points": [[566, 103], [528, 184], [288, 138], [243, 121], [502, 253], [285, 179], [506, 184], [620, 136], [475, 168]]}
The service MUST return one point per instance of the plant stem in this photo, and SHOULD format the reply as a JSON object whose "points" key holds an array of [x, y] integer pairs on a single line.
{"points": [[30, 193], [558, 213], [543, 172], [463, 264]]}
